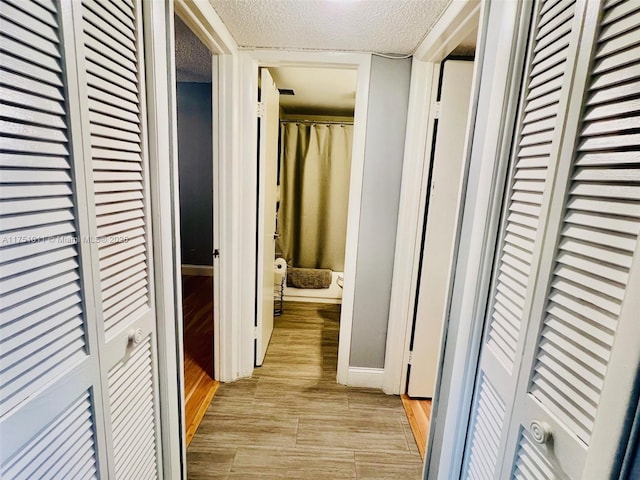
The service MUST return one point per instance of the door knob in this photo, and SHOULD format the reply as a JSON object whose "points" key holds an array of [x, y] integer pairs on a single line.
{"points": [[135, 336], [540, 431]]}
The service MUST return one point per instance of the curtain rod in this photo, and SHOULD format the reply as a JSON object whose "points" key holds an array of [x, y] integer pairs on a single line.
{"points": [[318, 122]]}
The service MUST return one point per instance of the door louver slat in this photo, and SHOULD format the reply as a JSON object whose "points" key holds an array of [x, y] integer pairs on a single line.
{"points": [[596, 246], [529, 174], [32, 61], [530, 463], [29, 101], [39, 270], [104, 60], [27, 84], [132, 411], [109, 253], [485, 433], [117, 163], [101, 30], [55, 455], [125, 20], [618, 11], [18, 338], [36, 11], [23, 16], [103, 10]]}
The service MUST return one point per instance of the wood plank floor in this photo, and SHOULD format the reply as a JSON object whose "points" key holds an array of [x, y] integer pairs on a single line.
{"points": [[199, 385], [291, 420], [418, 412]]}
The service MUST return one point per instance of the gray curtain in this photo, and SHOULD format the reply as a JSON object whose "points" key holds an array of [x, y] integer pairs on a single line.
{"points": [[314, 194]]}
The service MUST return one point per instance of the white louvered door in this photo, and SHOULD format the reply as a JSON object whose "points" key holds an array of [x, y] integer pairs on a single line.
{"points": [[555, 27], [51, 412], [111, 85], [78, 375], [560, 354], [577, 371]]}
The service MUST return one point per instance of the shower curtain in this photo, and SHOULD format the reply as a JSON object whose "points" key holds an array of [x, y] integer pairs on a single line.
{"points": [[315, 165]]}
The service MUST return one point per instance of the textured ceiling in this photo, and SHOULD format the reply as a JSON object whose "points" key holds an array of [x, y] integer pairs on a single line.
{"points": [[318, 91], [193, 59], [385, 26]]}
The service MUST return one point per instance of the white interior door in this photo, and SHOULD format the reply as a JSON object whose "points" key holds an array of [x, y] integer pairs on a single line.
{"points": [[441, 226], [544, 97], [269, 119], [579, 368], [52, 419], [111, 83], [79, 316], [558, 367]]}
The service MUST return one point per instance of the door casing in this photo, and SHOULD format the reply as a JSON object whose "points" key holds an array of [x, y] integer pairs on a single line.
{"points": [[251, 61], [455, 24], [441, 225], [158, 20]]}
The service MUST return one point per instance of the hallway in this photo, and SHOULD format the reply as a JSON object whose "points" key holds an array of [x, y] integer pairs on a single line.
{"points": [[291, 420]]}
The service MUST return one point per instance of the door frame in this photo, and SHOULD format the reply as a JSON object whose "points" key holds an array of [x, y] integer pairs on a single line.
{"points": [[158, 20], [251, 61], [265, 162], [198, 17], [454, 25], [502, 45], [428, 319]]}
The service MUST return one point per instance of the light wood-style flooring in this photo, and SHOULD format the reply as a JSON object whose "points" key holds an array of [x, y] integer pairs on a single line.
{"points": [[199, 385], [291, 420], [418, 412]]}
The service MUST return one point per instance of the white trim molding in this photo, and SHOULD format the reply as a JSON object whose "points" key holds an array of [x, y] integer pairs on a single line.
{"points": [[502, 45], [159, 39], [251, 60], [197, 270], [424, 85], [205, 23], [455, 24], [365, 377], [227, 267], [165, 221]]}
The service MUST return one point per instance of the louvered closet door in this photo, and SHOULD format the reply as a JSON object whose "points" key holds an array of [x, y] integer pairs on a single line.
{"points": [[586, 305], [555, 26], [51, 416], [111, 77]]}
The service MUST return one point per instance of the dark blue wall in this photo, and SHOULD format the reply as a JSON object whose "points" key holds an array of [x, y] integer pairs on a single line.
{"points": [[195, 163]]}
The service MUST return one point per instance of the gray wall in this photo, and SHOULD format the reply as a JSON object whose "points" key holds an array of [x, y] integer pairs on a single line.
{"points": [[384, 151], [195, 164]]}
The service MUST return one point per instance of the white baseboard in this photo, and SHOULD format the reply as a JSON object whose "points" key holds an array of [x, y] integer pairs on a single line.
{"points": [[197, 270], [365, 377]]}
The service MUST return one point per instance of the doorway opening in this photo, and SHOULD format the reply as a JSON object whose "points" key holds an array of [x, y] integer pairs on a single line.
{"points": [[305, 136], [194, 102], [442, 194]]}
